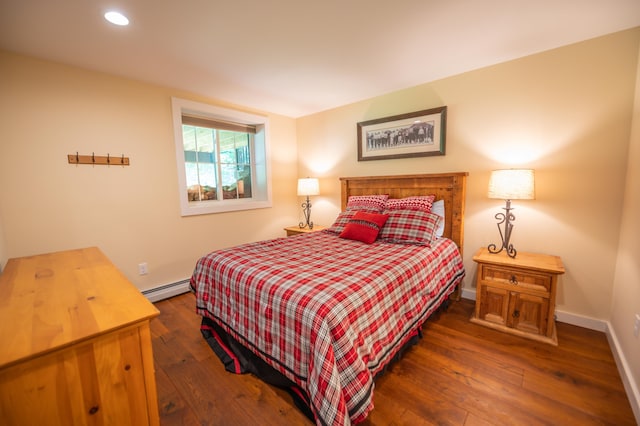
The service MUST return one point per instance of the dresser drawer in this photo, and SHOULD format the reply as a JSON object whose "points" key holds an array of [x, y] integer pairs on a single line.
{"points": [[517, 277]]}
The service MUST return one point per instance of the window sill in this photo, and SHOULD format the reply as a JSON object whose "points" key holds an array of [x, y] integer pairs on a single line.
{"points": [[212, 207]]}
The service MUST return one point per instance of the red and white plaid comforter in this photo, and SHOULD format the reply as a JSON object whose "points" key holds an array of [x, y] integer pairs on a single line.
{"points": [[326, 312]]}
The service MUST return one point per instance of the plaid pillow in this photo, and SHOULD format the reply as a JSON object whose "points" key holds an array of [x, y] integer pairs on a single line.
{"points": [[369, 203], [364, 227], [419, 202], [409, 227], [341, 221]]}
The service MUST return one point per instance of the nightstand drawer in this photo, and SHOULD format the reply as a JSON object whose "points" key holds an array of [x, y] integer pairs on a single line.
{"points": [[519, 277]]}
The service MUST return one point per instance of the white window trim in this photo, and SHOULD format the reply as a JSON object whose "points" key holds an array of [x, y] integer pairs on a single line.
{"points": [[261, 186]]}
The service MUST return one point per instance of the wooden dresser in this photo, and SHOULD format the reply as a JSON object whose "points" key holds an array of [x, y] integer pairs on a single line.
{"points": [[75, 343], [518, 295]]}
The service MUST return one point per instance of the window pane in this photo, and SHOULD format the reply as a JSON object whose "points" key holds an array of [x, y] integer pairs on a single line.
{"points": [[200, 163], [244, 182], [229, 181], [235, 163]]}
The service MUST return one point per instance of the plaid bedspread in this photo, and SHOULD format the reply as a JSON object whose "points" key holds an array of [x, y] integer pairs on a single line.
{"points": [[326, 312]]}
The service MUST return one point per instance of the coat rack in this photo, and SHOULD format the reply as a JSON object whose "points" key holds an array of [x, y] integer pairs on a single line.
{"points": [[98, 160]]}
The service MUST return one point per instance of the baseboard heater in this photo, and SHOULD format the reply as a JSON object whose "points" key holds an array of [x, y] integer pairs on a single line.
{"points": [[166, 291]]}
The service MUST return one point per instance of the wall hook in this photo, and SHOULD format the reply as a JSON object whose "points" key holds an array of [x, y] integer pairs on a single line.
{"points": [[96, 160]]}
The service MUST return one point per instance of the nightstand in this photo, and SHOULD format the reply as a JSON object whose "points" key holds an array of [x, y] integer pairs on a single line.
{"points": [[295, 230], [518, 295]]}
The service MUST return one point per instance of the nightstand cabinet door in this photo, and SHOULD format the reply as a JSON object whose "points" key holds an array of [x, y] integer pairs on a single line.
{"points": [[529, 313], [494, 305]]}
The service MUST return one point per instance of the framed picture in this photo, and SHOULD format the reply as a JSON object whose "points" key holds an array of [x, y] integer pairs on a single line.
{"points": [[415, 134]]}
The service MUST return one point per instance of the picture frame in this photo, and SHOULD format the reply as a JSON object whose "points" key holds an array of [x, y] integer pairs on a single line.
{"points": [[414, 134]]}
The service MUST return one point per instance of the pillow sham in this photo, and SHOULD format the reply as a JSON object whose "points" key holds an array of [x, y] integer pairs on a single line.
{"points": [[364, 227], [418, 202], [370, 203], [409, 227], [341, 221], [438, 208]]}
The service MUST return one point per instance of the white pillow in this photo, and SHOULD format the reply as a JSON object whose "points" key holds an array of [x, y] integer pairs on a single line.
{"points": [[438, 208]]}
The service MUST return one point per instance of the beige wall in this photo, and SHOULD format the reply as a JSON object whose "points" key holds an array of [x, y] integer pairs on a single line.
{"points": [[626, 289], [566, 113], [132, 213], [3, 247]]}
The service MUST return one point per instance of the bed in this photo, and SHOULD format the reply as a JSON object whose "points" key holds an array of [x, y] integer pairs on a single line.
{"points": [[323, 316]]}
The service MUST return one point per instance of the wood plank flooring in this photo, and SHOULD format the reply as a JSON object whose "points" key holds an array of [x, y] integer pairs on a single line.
{"points": [[459, 374]]}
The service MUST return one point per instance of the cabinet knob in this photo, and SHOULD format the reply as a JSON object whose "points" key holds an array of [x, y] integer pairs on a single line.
{"points": [[516, 313], [513, 280]]}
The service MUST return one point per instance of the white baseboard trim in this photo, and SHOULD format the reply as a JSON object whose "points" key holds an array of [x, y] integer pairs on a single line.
{"points": [[630, 386], [468, 293], [581, 321], [166, 291]]}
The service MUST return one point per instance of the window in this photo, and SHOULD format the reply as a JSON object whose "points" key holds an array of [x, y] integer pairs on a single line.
{"points": [[222, 158]]}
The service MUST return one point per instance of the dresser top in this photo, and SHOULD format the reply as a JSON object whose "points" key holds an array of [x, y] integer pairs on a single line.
{"points": [[52, 300], [531, 261]]}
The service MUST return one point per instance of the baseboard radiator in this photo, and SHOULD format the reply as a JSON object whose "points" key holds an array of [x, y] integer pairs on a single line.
{"points": [[166, 291]]}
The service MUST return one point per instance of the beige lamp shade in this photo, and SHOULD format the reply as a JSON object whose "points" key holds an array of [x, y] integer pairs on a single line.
{"points": [[308, 186], [512, 184]]}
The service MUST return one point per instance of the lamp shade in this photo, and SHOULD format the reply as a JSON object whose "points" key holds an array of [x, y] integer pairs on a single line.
{"points": [[308, 186], [512, 184]]}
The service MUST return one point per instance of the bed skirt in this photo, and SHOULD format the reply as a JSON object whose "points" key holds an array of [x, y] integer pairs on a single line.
{"points": [[237, 359]]}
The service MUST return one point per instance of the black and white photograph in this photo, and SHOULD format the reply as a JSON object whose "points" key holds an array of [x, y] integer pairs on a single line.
{"points": [[415, 134]]}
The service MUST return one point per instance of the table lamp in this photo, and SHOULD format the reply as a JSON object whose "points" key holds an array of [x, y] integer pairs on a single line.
{"points": [[509, 184], [306, 187]]}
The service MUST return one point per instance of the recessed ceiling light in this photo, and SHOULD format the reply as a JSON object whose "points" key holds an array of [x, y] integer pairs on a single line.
{"points": [[116, 18]]}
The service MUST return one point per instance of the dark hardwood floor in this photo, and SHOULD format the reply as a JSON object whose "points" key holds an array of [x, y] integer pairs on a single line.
{"points": [[459, 374]]}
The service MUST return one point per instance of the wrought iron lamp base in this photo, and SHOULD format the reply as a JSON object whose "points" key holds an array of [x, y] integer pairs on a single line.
{"points": [[306, 209], [507, 218]]}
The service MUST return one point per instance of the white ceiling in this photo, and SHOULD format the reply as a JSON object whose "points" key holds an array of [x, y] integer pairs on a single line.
{"points": [[295, 57]]}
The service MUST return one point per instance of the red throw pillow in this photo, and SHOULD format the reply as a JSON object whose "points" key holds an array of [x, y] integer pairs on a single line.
{"points": [[364, 227]]}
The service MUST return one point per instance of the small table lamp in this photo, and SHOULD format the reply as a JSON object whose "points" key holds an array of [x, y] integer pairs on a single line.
{"points": [[509, 184], [306, 187]]}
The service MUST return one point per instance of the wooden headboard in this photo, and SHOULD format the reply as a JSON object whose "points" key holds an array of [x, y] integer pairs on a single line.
{"points": [[449, 187]]}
